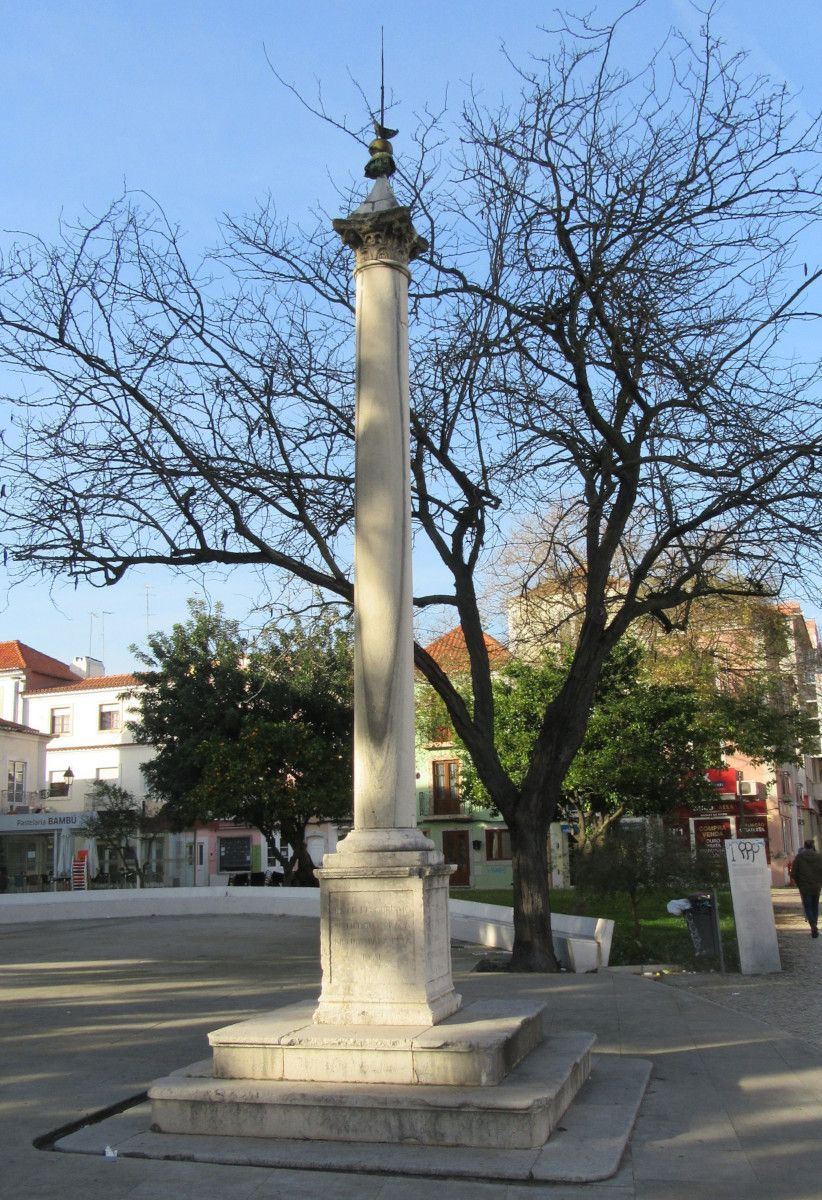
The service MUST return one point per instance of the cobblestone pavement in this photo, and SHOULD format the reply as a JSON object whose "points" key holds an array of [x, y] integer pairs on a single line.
{"points": [[790, 1001]]}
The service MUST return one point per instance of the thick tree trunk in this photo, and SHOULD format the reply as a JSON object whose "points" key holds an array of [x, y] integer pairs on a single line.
{"points": [[533, 945]]}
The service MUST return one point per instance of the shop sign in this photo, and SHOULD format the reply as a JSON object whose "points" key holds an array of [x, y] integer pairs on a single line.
{"points": [[43, 822], [710, 834], [737, 808], [724, 779]]}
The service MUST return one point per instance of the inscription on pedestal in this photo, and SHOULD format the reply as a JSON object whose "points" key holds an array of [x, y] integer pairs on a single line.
{"points": [[373, 931]]}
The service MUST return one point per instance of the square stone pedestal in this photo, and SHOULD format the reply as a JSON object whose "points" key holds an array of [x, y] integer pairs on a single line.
{"points": [[385, 940]]}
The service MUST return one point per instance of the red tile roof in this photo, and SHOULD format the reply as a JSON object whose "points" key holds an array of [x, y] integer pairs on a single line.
{"points": [[20, 657], [451, 652], [90, 685], [13, 727]]}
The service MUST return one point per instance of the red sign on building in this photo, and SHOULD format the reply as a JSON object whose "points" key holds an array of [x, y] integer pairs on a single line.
{"points": [[708, 828], [711, 832], [724, 779]]}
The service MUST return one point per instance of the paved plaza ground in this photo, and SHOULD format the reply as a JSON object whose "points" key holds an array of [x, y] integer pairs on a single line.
{"points": [[92, 1011]]}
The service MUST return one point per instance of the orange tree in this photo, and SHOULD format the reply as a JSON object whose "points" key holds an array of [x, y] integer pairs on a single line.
{"points": [[259, 734]]}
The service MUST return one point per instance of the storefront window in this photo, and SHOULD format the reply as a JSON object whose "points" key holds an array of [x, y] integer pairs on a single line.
{"points": [[235, 854]]}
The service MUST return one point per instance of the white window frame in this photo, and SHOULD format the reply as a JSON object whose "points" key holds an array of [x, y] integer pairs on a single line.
{"points": [[109, 710], [62, 716]]}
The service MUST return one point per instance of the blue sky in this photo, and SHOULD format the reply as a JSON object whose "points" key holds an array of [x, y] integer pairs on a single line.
{"points": [[176, 97]]}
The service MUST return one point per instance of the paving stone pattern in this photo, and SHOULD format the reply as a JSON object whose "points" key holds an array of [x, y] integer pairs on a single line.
{"points": [[92, 1011], [789, 1001]]}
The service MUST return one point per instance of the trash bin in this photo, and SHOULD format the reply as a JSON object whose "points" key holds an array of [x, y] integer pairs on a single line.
{"points": [[701, 921]]}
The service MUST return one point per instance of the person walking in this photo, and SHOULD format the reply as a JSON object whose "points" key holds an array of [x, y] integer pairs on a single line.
{"points": [[806, 872]]}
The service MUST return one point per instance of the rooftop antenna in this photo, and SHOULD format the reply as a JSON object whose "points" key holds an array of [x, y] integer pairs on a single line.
{"points": [[103, 614]]}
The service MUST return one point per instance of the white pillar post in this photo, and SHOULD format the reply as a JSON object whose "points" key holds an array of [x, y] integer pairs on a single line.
{"points": [[384, 893], [384, 240]]}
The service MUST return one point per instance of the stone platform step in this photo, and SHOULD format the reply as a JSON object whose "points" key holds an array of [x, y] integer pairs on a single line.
{"points": [[519, 1113], [477, 1046], [588, 1145]]}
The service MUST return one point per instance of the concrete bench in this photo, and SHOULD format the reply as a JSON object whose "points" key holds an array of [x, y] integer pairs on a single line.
{"points": [[581, 944]]}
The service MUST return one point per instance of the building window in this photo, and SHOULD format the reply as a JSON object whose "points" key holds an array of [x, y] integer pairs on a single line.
{"points": [[17, 782], [235, 854], [109, 717], [446, 786], [58, 784], [497, 844], [107, 774], [60, 721]]}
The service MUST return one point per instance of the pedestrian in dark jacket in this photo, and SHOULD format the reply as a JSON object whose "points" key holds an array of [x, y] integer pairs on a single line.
{"points": [[806, 873]]}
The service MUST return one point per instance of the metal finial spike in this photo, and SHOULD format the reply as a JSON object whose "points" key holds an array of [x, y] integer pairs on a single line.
{"points": [[382, 76], [381, 163]]}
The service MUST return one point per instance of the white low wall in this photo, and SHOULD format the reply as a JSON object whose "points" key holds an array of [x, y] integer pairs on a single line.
{"points": [[581, 943], [102, 903]]}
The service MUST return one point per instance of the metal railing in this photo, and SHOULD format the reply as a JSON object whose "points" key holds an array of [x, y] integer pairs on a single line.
{"points": [[443, 806], [15, 800]]}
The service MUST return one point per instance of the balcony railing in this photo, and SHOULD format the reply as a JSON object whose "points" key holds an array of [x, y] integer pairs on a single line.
{"points": [[79, 797], [444, 806], [13, 800]]}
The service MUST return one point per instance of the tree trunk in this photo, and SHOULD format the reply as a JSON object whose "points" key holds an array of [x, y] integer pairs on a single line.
{"points": [[299, 871], [533, 945]]}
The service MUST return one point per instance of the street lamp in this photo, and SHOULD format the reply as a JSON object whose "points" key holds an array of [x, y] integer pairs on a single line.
{"points": [[68, 779]]}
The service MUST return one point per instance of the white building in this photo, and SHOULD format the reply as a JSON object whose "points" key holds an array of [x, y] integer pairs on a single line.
{"points": [[23, 668], [89, 740], [64, 728]]}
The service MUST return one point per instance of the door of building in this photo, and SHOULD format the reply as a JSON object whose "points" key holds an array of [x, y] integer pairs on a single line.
{"points": [[446, 787], [456, 850], [201, 862]]}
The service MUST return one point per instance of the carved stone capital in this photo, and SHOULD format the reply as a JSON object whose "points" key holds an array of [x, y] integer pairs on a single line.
{"points": [[387, 235]]}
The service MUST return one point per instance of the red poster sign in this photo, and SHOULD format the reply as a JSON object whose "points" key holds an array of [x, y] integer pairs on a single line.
{"points": [[710, 833]]}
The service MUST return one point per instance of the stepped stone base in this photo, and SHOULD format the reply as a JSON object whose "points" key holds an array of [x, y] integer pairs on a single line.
{"points": [[478, 1046], [518, 1113], [588, 1145]]}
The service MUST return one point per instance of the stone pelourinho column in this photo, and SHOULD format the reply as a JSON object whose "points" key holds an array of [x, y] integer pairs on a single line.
{"points": [[384, 925]]}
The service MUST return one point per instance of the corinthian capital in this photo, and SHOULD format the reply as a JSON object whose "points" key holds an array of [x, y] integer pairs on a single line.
{"points": [[380, 229]]}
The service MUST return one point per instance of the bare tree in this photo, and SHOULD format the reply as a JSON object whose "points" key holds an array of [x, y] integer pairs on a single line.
{"points": [[599, 340]]}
